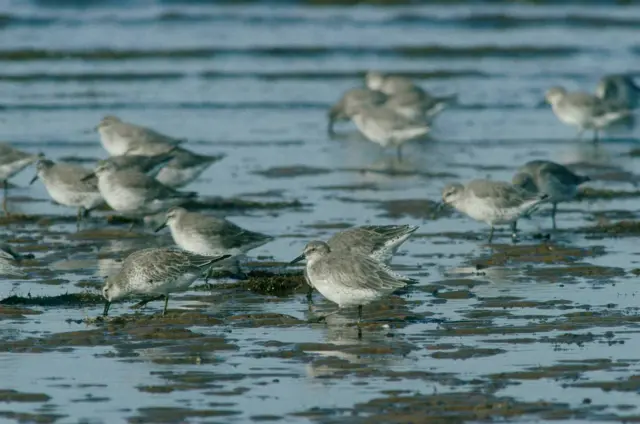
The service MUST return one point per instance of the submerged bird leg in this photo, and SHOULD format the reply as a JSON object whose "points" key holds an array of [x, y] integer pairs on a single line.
{"points": [[5, 191], [491, 234], [514, 230], [310, 295], [359, 315], [133, 224], [79, 217], [553, 214], [166, 303], [324, 317], [105, 312], [595, 136], [145, 301]]}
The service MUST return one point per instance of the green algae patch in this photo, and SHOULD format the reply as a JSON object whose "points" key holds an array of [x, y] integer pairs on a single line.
{"points": [[7, 396], [630, 384], [268, 283], [456, 408], [63, 300], [467, 353], [546, 253], [566, 370], [589, 193], [9, 312], [264, 320], [617, 229]]}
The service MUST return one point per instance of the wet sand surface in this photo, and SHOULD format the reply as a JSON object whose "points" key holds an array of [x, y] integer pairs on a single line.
{"points": [[547, 328]]}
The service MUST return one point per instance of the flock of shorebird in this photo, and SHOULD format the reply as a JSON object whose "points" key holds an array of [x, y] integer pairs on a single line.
{"points": [[146, 168]]}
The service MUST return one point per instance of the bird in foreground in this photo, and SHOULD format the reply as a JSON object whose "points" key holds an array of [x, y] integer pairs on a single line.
{"points": [[619, 90], [154, 273], [379, 242], [346, 278], [583, 110], [185, 167], [132, 192], [387, 127], [553, 179], [70, 185], [492, 202], [211, 236], [123, 138], [9, 261], [351, 102], [150, 165], [12, 161]]}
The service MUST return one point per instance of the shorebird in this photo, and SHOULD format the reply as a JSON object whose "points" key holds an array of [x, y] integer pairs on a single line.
{"points": [[387, 128], [492, 202], [155, 273], [619, 90], [583, 110], [132, 192], [12, 161], [550, 178], [346, 278], [69, 185], [123, 138]]}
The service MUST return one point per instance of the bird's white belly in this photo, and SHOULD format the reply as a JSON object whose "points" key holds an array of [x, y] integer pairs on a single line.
{"points": [[66, 196], [178, 177], [181, 283], [487, 212], [113, 143], [341, 295], [121, 199]]}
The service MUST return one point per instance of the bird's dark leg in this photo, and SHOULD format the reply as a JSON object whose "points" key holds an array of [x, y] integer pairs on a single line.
{"points": [[133, 223], [514, 230], [166, 304], [145, 301], [359, 314], [595, 136], [399, 153], [106, 309], [79, 217], [310, 295], [553, 214], [491, 234], [5, 185]]}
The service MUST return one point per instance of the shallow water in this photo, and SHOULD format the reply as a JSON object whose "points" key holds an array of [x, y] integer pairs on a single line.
{"points": [[548, 330]]}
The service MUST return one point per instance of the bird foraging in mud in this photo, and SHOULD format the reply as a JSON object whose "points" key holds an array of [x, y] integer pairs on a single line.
{"points": [[348, 279], [493, 202], [553, 179], [154, 273]]}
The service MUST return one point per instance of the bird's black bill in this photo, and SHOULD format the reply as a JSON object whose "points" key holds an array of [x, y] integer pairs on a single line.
{"points": [[106, 309], [164, 224], [296, 260], [88, 177], [33, 180]]}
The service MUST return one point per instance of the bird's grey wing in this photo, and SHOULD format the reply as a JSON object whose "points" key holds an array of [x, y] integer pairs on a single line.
{"points": [[73, 175], [233, 236], [359, 272], [501, 194], [562, 174], [183, 158], [144, 134]]}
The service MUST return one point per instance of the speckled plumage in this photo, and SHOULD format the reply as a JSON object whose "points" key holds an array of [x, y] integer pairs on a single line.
{"points": [[156, 271], [380, 242]]}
